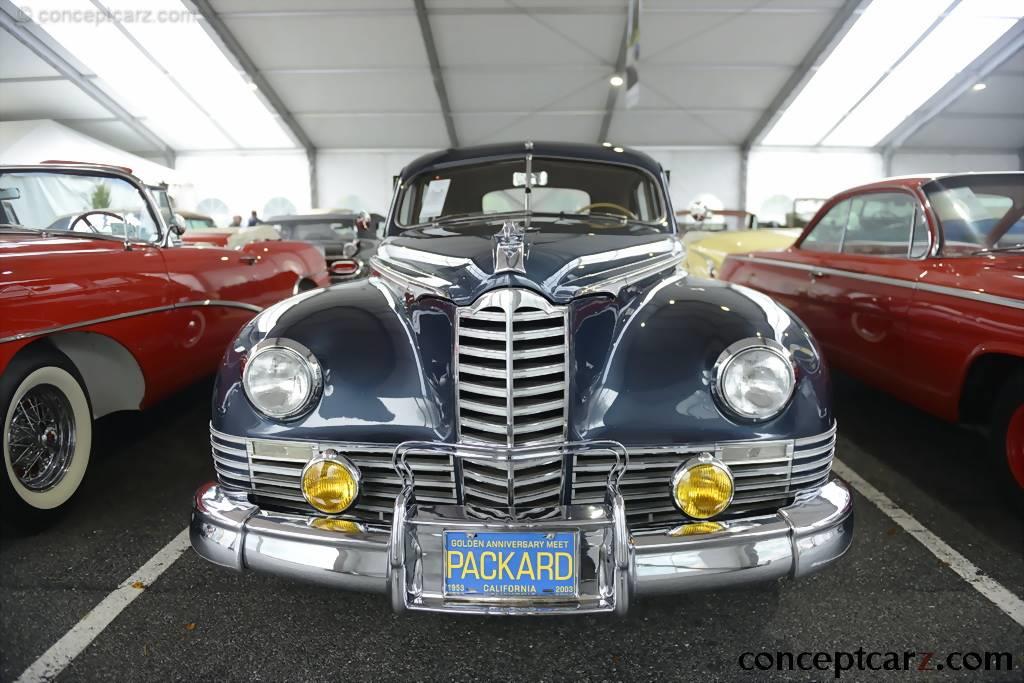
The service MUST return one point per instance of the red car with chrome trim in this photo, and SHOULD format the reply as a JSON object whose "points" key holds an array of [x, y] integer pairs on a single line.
{"points": [[916, 285], [102, 309]]}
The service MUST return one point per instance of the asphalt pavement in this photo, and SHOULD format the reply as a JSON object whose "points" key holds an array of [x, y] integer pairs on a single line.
{"points": [[201, 622]]}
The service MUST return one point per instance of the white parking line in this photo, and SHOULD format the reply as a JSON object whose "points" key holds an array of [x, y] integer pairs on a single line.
{"points": [[1002, 598], [60, 654]]}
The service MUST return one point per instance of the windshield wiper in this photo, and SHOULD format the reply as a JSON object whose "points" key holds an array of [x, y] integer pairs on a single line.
{"points": [[456, 218]]}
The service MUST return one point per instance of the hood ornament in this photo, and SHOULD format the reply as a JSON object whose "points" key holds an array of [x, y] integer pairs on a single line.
{"points": [[510, 248]]}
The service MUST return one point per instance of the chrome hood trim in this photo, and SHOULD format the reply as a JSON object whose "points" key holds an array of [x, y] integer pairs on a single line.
{"points": [[462, 278]]}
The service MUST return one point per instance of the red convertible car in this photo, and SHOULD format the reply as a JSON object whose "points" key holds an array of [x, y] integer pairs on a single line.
{"points": [[916, 286], [102, 309]]}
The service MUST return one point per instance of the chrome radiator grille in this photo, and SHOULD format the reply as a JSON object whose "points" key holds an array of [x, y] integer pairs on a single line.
{"points": [[530, 483], [511, 367], [272, 470], [767, 475]]}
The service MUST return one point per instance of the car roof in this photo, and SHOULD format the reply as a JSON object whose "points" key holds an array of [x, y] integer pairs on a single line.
{"points": [[507, 150], [917, 180]]}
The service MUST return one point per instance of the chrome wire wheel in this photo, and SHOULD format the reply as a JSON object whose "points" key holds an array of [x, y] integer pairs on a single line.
{"points": [[41, 439]]}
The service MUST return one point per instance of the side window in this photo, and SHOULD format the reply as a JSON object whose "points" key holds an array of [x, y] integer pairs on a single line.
{"points": [[827, 235], [880, 224]]}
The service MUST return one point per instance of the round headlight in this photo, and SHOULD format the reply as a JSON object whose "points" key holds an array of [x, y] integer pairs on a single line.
{"points": [[755, 379], [330, 484], [281, 381], [702, 487]]}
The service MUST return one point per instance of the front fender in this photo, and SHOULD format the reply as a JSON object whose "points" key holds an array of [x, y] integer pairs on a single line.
{"points": [[642, 365], [386, 364]]}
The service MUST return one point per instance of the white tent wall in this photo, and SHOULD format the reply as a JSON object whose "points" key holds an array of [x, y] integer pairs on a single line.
{"points": [[29, 142], [711, 175], [235, 183], [776, 177], [360, 179]]}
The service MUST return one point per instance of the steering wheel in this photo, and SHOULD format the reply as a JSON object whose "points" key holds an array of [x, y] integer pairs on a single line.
{"points": [[608, 205], [84, 218]]}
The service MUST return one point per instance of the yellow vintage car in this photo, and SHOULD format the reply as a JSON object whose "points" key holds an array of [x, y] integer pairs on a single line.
{"points": [[705, 251]]}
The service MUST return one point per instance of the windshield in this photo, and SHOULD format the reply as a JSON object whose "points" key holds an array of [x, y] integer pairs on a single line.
{"points": [[315, 231], [78, 202], [978, 212], [559, 189]]}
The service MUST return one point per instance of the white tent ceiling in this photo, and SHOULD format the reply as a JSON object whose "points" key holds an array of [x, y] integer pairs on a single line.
{"points": [[356, 73]]}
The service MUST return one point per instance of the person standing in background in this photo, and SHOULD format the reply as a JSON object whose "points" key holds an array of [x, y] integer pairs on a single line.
{"points": [[236, 222], [254, 219], [363, 221]]}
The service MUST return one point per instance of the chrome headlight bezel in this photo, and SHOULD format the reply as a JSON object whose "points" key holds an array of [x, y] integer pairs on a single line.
{"points": [[735, 351], [298, 352]]}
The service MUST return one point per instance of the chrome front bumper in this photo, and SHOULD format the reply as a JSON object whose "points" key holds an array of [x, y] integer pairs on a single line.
{"points": [[798, 540]]}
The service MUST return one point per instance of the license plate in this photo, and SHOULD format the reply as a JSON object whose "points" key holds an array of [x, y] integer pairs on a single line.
{"points": [[509, 564]]}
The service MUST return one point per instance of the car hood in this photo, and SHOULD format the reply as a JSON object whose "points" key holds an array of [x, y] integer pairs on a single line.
{"points": [[560, 265]]}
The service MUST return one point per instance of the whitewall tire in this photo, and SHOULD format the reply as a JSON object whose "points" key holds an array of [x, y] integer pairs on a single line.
{"points": [[47, 433]]}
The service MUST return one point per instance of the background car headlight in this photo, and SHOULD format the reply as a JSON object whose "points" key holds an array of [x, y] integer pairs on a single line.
{"points": [[702, 487], [755, 378], [282, 378]]}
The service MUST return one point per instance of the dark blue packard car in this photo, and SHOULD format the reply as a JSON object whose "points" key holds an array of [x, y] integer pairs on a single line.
{"points": [[528, 408]]}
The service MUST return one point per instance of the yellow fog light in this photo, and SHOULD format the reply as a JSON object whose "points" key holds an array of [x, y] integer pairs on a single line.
{"points": [[702, 487], [330, 484]]}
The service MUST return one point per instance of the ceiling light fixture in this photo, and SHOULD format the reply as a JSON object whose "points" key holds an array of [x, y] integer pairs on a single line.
{"points": [[606, 144], [616, 80], [978, 87]]}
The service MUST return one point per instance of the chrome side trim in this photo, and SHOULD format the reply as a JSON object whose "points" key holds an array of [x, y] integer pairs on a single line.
{"points": [[896, 282], [132, 314]]}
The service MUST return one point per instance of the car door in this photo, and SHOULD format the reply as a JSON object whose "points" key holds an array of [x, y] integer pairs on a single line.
{"points": [[869, 285], [789, 276]]}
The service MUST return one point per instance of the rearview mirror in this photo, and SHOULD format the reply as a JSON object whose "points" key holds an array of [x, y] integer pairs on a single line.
{"points": [[8, 193], [536, 179]]}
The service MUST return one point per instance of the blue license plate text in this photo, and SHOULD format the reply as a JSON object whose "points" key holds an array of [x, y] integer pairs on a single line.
{"points": [[510, 564]]}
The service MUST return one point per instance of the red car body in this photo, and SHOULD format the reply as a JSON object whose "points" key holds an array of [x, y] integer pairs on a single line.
{"points": [[139, 320], [942, 330]]}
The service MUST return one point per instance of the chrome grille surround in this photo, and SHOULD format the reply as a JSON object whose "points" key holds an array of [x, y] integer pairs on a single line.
{"points": [[511, 369], [768, 475]]}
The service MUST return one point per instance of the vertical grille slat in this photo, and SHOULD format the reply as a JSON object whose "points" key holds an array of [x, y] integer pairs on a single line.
{"points": [[511, 362]]}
